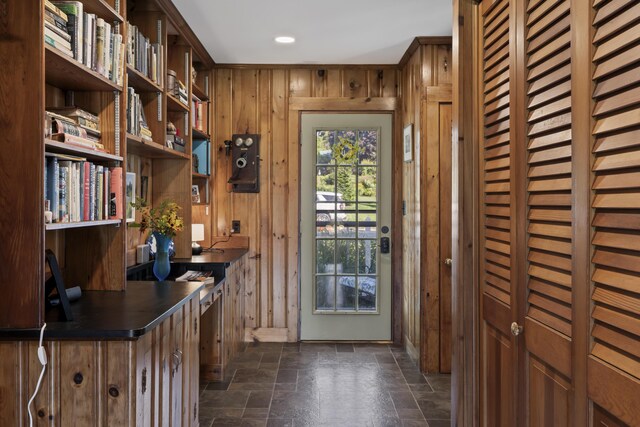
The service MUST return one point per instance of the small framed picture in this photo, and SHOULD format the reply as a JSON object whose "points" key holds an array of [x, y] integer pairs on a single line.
{"points": [[195, 194], [130, 196], [408, 142]]}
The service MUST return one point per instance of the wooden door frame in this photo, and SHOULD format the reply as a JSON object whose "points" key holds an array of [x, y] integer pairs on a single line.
{"points": [[300, 105], [430, 307], [465, 390]]}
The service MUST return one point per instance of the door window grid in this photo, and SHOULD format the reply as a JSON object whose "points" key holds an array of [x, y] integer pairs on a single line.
{"points": [[346, 277]]}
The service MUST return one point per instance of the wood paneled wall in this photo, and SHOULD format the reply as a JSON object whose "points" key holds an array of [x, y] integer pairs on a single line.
{"points": [[256, 99], [427, 67]]}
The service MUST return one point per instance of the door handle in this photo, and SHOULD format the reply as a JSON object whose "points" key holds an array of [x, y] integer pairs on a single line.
{"points": [[448, 262], [516, 329], [385, 245]]}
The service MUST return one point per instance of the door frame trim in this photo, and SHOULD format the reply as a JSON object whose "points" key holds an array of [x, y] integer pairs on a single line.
{"points": [[298, 106]]}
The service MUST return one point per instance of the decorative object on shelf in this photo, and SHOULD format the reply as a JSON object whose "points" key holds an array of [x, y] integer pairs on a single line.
{"points": [[130, 193], [197, 235], [195, 194], [408, 142], [195, 162], [163, 222], [171, 80]]}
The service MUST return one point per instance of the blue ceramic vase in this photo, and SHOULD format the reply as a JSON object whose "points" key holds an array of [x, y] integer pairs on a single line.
{"points": [[162, 266]]}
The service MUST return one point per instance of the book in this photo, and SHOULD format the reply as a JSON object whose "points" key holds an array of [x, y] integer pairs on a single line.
{"points": [[92, 193], [60, 32], [54, 9], [61, 126], [115, 197], [56, 20], [77, 141], [87, 191], [74, 11], [56, 41], [74, 113], [53, 187], [205, 277], [100, 45], [63, 176]]}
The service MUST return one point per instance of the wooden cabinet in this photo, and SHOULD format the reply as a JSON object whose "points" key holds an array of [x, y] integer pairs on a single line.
{"points": [[558, 195], [151, 381], [222, 332]]}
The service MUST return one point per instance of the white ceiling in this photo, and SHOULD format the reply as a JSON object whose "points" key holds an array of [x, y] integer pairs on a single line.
{"points": [[326, 31]]}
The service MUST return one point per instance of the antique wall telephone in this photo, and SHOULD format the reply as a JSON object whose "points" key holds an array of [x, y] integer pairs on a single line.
{"points": [[245, 156]]}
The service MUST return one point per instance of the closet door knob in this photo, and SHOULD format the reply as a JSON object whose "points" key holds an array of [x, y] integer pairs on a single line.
{"points": [[516, 329], [448, 262]]}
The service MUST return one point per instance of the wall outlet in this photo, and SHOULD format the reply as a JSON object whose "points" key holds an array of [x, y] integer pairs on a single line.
{"points": [[235, 226]]}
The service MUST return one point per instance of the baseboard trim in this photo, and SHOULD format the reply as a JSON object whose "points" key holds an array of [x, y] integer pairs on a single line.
{"points": [[266, 334], [413, 353]]}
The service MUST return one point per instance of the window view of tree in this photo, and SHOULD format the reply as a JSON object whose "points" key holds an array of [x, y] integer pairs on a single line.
{"points": [[346, 214]]}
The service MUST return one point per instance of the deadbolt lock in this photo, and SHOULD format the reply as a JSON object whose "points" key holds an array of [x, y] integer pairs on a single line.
{"points": [[516, 329], [448, 262]]}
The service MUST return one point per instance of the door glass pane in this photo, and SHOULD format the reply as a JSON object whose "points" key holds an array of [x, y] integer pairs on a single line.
{"points": [[367, 183], [325, 292], [346, 257], [367, 291], [367, 254], [325, 261], [325, 140], [346, 219], [346, 293], [368, 143]]}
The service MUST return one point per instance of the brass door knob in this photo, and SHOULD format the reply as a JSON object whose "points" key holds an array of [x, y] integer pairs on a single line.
{"points": [[448, 262], [516, 329]]}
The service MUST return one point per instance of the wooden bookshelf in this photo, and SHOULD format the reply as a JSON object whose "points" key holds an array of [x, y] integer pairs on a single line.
{"points": [[93, 155], [173, 104], [140, 82], [200, 93], [151, 149], [64, 72], [81, 224], [200, 134], [102, 9]]}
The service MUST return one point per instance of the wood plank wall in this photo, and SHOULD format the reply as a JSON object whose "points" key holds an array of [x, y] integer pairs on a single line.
{"points": [[255, 99], [428, 66]]}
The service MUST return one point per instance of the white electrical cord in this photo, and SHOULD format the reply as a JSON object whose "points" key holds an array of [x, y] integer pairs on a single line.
{"points": [[42, 356]]}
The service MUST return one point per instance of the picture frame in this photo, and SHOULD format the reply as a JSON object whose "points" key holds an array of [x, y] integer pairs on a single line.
{"points": [[195, 194], [407, 142], [130, 195]]}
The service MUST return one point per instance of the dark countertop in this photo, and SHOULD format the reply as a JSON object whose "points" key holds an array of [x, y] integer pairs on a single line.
{"points": [[113, 314], [221, 256]]}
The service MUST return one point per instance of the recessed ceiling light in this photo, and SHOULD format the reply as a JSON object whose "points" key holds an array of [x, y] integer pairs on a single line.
{"points": [[285, 39]]}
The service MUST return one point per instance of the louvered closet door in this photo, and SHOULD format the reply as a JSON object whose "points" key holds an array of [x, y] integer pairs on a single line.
{"points": [[614, 365], [498, 372], [547, 329]]}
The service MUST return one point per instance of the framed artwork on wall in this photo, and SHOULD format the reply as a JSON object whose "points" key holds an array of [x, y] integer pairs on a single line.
{"points": [[407, 142], [130, 197]]}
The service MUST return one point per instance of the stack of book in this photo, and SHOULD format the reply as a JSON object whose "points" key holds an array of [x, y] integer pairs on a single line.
{"points": [[136, 120], [144, 56], [181, 93], [199, 112], [204, 277], [73, 126], [92, 40], [77, 190], [55, 29]]}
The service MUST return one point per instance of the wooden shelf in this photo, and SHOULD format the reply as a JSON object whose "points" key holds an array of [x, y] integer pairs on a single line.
{"points": [[150, 149], [173, 104], [102, 9], [140, 82], [200, 134], [197, 91], [63, 148], [65, 72], [200, 175], [81, 224]]}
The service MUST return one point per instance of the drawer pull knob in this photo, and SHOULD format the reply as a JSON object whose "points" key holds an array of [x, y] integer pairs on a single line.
{"points": [[78, 378], [113, 391]]}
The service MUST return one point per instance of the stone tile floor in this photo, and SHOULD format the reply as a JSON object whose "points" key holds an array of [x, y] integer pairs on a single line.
{"points": [[311, 384]]}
